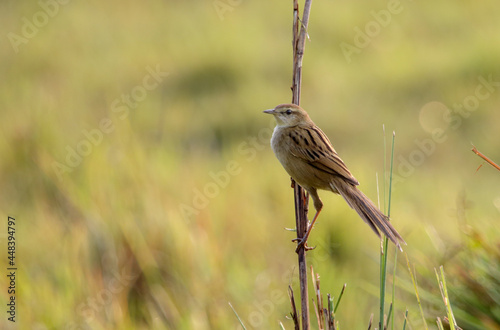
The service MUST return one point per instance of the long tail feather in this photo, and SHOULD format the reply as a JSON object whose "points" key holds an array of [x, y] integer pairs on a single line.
{"points": [[368, 211]]}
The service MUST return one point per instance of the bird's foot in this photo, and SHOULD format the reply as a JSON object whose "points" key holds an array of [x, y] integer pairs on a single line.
{"points": [[302, 242]]}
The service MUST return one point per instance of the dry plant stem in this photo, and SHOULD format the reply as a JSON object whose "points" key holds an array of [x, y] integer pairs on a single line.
{"points": [[492, 163], [301, 223], [293, 314], [330, 313], [319, 300], [299, 42], [299, 37], [371, 322]]}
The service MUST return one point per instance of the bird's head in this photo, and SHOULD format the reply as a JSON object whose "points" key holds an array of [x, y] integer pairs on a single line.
{"points": [[289, 115]]}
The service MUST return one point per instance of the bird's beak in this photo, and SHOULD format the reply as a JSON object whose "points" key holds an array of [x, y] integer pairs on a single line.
{"points": [[269, 111]]}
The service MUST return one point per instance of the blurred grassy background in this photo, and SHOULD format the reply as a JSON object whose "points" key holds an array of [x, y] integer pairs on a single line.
{"points": [[124, 239]]}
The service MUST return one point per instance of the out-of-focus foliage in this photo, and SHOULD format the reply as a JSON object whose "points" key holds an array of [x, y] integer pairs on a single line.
{"points": [[476, 282]]}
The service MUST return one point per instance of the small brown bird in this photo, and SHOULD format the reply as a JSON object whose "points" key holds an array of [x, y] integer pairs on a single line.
{"points": [[310, 159]]}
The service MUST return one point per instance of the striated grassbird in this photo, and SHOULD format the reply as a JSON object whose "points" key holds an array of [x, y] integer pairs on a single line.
{"points": [[310, 159]]}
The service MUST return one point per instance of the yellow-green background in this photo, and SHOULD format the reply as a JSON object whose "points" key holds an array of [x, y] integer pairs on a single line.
{"points": [[108, 245]]}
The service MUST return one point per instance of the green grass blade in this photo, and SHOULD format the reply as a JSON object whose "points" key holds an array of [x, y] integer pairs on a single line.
{"points": [[444, 295], [340, 297], [385, 165], [389, 214], [394, 284], [386, 323], [384, 254], [416, 292], [439, 324], [237, 316], [406, 318], [383, 249], [390, 175], [383, 275]]}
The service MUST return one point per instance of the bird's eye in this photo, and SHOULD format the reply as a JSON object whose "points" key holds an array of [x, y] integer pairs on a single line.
{"points": [[288, 112]]}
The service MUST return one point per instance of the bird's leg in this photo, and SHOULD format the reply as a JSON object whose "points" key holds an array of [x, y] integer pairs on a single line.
{"points": [[303, 240], [318, 205]]}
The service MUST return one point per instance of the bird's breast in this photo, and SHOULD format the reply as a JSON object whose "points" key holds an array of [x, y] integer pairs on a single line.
{"points": [[299, 169]]}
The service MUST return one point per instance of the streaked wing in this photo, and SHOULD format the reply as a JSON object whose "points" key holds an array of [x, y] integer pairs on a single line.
{"points": [[313, 146]]}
